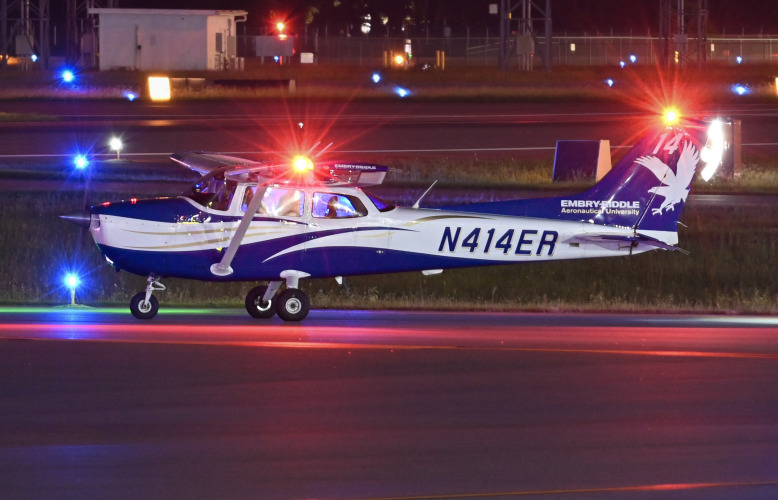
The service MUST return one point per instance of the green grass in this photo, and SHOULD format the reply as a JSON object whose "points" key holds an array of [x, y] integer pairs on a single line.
{"points": [[640, 85], [730, 269]]}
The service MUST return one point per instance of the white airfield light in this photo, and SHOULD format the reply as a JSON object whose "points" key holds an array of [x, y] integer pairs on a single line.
{"points": [[116, 145]]}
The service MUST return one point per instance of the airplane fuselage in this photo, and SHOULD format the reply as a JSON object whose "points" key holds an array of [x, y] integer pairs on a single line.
{"points": [[181, 238]]}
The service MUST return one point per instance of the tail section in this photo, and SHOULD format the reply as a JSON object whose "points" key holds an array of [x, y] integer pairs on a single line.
{"points": [[648, 188], [645, 191]]}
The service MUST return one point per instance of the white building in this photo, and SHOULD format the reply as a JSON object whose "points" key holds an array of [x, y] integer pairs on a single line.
{"points": [[166, 39]]}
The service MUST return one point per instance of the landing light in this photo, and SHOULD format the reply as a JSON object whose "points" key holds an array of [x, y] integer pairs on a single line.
{"points": [[302, 164]]}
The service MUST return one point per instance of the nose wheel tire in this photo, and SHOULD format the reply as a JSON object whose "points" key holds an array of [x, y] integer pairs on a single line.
{"points": [[142, 309], [292, 305], [256, 307]]}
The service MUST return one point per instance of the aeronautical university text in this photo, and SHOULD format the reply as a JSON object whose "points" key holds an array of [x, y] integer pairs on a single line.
{"points": [[603, 206]]}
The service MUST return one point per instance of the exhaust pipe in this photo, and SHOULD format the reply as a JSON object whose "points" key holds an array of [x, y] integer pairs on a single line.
{"points": [[83, 219]]}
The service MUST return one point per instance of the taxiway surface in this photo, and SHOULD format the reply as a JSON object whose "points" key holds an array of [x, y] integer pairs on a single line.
{"points": [[366, 130], [387, 405]]}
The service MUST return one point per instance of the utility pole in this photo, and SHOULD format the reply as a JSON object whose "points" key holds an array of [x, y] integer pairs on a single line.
{"points": [[527, 36], [683, 27], [24, 31], [80, 28]]}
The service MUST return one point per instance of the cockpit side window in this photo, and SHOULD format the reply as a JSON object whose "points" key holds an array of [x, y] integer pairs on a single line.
{"points": [[337, 206], [278, 202], [212, 191]]}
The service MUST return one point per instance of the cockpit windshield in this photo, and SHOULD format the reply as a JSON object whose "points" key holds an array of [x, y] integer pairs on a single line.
{"points": [[381, 205], [212, 190]]}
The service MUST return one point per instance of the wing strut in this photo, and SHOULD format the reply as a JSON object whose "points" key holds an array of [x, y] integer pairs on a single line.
{"points": [[223, 267]]}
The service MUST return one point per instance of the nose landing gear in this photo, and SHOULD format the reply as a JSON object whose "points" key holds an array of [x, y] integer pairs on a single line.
{"points": [[144, 305]]}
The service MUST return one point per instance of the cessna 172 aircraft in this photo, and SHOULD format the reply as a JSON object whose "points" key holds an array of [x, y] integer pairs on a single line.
{"points": [[282, 223]]}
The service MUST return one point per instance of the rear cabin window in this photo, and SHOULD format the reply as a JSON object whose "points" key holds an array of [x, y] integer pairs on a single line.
{"points": [[278, 202]]}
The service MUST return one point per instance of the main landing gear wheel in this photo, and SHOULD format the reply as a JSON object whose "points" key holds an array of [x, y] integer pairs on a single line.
{"points": [[256, 307], [292, 305], [143, 309]]}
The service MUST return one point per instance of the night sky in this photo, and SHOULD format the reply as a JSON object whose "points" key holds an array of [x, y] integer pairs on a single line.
{"points": [[569, 16]]}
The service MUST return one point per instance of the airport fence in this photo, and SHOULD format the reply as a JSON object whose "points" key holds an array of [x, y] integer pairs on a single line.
{"points": [[585, 50]]}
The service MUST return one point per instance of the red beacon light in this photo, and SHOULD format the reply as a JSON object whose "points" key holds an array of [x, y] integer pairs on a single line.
{"points": [[302, 164], [671, 116]]}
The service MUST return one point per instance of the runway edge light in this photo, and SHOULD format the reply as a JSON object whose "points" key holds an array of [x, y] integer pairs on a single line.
{"points": [[72, 281]]}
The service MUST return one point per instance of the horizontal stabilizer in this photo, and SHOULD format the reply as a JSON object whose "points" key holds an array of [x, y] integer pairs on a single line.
{"points": [[634, 239]]}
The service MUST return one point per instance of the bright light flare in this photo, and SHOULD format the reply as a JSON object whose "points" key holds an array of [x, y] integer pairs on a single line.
{"points": [[377, 77], [130, 96], [399, 60], [302, 164], [633, 59], [402, 92], [713, 152], [609, 82], [739, 59], [72, 281], [67, 76], [280, 26], [671, 116], [115, 144], [81, 162], [159, 88], [740, 89]]}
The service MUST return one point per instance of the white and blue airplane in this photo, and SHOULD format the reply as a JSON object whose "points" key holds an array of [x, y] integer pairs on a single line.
{"points": [[282, 223]]}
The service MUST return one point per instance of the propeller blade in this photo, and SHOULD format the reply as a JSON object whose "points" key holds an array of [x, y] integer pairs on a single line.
{"points": [[83, 219]]}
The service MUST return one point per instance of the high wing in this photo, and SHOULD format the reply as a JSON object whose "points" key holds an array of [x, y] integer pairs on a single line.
{"points": [[204, 162], [330, 173]]}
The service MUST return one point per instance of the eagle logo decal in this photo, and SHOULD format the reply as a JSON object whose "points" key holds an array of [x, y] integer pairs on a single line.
{"points": [[675, 186]]}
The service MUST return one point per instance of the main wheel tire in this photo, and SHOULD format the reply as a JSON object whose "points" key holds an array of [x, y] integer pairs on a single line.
{"points": [[256, 307], [142, 309], [292, 305]]}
